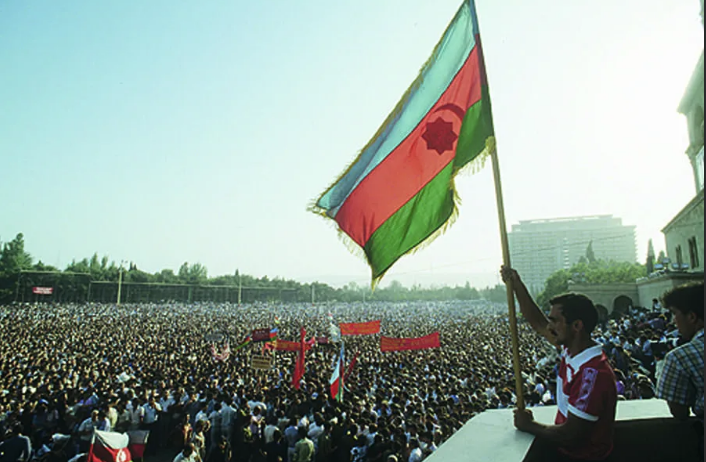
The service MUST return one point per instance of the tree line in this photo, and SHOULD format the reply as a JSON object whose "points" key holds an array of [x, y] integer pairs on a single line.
{"points": [[96, 279]]}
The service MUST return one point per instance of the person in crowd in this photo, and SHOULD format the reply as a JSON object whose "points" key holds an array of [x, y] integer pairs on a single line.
{"points": [[681, 382], [60, 362], [17, 448], [188, 454], [304, 449]]}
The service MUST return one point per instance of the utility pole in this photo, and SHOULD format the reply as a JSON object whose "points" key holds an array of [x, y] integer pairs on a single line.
{"points": [[312, 294], [240, 288], [120, 282]]}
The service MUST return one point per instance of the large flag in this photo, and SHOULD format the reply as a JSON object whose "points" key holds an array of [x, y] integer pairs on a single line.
{"points": [[109, 447], [337, 378], [399, 192], [360, 328]]}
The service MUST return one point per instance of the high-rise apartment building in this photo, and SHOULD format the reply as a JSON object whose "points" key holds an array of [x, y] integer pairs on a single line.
{"points": [[541, 247]]}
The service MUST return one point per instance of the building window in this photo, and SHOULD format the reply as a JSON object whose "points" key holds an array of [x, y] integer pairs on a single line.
{"points": [[680, 258], [693, 253]]}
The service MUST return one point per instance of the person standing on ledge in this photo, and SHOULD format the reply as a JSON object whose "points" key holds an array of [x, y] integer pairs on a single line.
{"points": [[681, 382], [585, 388]]}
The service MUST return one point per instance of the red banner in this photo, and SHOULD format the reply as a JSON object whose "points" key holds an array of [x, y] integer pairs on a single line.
{"points": [[43, 290], [360, 328], [286, 345], [403, 344]]}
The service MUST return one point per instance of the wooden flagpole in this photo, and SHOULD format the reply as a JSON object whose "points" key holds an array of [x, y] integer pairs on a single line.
{"points": [[492, 147]]}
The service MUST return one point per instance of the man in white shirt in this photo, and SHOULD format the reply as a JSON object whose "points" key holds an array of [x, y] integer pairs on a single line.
{"points": [[85, 431], [137, 415], [415, 455], [228, 418]]}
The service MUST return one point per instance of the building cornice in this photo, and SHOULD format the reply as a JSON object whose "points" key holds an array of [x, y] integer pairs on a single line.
{"points": [[693, 203], [693, 89]]}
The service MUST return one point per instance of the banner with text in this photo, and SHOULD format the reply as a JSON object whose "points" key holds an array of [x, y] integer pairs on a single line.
{"points": [[264, 335], [404, 344], [286, 345], [43, 290], [360, 328]]}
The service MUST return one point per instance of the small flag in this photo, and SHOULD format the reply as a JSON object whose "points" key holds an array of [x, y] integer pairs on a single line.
{"points": [[274, 334], [337, 379], [246, 341], [399, 192], [109, 447]]}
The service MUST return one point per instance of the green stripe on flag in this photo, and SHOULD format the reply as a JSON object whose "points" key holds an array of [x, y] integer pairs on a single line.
{"points": [[476, 129], [412, 224]]}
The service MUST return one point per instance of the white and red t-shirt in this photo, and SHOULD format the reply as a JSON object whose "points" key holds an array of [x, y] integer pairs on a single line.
{"points": [[586, 388]]}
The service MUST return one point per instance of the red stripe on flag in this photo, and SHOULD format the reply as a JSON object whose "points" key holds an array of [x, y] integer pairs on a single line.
{"points": [[416, 161]]}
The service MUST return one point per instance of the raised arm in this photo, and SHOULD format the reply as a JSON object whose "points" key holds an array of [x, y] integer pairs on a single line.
{"points": [[528, 307]]}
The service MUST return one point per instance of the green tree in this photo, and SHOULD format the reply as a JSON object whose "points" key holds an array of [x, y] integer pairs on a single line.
{"points": [[599, 272], [498, 293], [13, 257], [590, 255], [650, 264]]}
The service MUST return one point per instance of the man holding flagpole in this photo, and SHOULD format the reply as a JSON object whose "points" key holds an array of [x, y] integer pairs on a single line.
{"points": [[586, 391]]}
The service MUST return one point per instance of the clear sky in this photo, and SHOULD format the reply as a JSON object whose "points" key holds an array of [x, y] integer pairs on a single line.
{"points": [[166, 131]]}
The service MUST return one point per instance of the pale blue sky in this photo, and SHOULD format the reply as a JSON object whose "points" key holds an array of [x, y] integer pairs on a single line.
{"points": [[166, 131]]}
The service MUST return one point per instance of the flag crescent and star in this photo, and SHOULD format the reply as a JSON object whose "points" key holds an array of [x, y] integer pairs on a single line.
{"points": [[399, 192]]}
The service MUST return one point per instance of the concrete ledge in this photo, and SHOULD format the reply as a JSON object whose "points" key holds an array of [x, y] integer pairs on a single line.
{"points": [[643, 427]]}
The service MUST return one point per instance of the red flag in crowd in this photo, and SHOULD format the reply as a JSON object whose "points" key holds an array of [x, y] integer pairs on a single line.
{"points": [[138, 441], [351, 365], [299, 367], [109, 447]]}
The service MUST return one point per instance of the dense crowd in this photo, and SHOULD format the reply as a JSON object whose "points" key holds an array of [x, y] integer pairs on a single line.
{"points": [[70, 369]]}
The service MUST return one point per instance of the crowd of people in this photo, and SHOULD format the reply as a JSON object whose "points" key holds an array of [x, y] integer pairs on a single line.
{"points": [[66, 370]]}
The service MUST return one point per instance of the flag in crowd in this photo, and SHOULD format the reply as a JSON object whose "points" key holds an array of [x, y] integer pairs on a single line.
{"points": [[300, 362], [406, 344], [351, 365], [221, 356], [109, 447], [399, 192], [337, 379], [246, 341], [137, 442], [360, 328]]}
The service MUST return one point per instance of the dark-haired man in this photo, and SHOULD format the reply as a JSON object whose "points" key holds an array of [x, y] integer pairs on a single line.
{"points": [[586, 390], [681, 382], [17, 448]]}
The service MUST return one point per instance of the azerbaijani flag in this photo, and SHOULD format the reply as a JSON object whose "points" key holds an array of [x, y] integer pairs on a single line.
{"points": [[246, 341], [399, 192], [337, 377]]}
